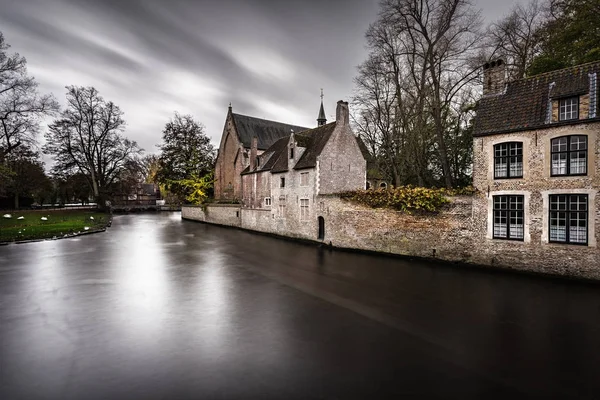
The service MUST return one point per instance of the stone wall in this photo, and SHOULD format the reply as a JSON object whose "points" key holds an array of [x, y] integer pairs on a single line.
{"points": [[455, 234], [535, 252], [218, 214]]}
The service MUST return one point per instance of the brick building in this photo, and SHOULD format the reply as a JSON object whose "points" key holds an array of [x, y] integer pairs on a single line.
{"points": [[537, 167], [234, 149]]}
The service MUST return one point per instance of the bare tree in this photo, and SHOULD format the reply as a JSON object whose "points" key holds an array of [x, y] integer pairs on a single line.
{"points": [[87, 139], [21, 107], [425, 47], [516, 37]]}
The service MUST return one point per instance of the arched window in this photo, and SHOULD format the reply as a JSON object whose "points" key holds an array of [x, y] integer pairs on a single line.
{"points": [[569, 155], [508, 160], [383, 185]]}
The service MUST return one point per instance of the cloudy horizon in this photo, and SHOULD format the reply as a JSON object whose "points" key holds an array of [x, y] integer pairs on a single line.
{"points": [[268, 58]]}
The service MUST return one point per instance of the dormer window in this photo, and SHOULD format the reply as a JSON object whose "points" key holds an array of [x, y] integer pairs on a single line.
{"points": [[291, 152], [508, 160], [568, 108]]}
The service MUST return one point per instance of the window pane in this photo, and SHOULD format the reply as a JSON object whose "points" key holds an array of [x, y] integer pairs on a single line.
{"points": [[578, 162], [501, 168], [578, 142], [559, 144], [559, 164]]}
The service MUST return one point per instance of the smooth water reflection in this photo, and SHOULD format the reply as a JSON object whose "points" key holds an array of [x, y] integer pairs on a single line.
{"points": [[163, 308]]}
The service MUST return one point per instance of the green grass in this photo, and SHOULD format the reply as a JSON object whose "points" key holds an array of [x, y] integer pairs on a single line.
{"points": [[59, 223]]}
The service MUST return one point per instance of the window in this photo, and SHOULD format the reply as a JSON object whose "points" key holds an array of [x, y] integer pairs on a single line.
{"points": [[281, 210], [568, 218], [268, 201], [569, 155], [282, 182], [304, 179], [291, 152], [303, 209], [509, 217], [568, 108], [508, 160]]}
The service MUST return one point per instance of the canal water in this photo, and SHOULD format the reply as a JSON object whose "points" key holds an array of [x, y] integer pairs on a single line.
{"points": [[160, 308]]}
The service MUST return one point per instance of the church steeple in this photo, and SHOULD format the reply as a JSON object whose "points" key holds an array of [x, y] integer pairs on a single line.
{"points": [[321, 120]]}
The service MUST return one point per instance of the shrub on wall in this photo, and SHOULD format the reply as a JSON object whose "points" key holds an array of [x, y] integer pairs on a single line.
{"points": [[403, 198]]}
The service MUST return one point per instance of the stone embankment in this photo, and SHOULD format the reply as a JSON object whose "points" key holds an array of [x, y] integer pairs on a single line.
{"points": [[449, 235]]}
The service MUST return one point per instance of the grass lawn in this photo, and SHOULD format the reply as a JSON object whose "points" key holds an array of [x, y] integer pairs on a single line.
{"points": [[59, 223]]}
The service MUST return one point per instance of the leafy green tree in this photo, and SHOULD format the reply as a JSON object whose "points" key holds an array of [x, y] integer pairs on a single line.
{"points": [[187, 156], [570, 36]]}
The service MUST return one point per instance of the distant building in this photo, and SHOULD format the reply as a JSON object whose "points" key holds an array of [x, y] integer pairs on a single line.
{"points": [[537, 162], [234, 149], [288, 176]]}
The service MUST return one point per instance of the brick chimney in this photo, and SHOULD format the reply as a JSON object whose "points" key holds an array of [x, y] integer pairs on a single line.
{"points": [[342, 114], [494, 77], [253, 151]]}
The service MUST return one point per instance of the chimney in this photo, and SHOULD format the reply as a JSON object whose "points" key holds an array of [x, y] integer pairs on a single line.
{"points": [[342, 115], [253, 151], [494, 77]]}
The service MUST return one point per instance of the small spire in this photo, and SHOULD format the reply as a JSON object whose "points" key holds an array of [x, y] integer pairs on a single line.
{"points": [[229, 106], [321, 119]]}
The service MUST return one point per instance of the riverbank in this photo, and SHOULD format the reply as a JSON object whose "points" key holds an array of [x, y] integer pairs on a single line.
{"points": [[45, 224], [455, 234]]}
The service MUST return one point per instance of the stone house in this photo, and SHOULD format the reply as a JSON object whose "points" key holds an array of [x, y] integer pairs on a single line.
{"points": [[537, 167], [234, 150], [283, 183]]}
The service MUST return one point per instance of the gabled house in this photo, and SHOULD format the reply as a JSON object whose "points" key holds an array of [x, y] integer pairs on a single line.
{"points": [[537, 164], [234, 150], [286, 179]]}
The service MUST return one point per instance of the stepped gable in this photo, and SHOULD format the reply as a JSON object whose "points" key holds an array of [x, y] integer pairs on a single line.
{"points": [[524, 103], [267, 132]]}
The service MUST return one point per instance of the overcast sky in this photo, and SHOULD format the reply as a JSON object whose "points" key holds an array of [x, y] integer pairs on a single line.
{"points": [[269, 58]]}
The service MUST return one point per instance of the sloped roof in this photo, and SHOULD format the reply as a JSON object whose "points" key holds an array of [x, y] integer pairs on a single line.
{"points": [[314, 140], [266, 131], [524, 105]]}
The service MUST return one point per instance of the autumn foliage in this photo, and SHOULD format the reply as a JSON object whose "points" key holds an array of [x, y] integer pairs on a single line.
{"points": [[405, 198]]}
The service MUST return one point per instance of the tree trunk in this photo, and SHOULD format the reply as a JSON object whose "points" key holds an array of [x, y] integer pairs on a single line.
{"points": [[16, 200]]}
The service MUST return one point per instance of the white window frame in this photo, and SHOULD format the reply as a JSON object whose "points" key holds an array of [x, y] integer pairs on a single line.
{"points": [[526, 214], [304, 179], [304, 209], [568, 108], [591, 222]]}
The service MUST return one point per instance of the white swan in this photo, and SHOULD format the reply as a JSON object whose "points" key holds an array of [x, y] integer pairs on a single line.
{"points": [[7, 216], [21, 217], [44, 219]]}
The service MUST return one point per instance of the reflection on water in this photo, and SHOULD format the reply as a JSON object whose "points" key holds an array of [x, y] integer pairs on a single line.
{"points": [[156, 305]]}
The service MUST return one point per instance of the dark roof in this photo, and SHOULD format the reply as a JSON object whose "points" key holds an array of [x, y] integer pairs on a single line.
{"points": [[524, 104], [321, 118], [275, 158], [315, 141], [266, 131]]}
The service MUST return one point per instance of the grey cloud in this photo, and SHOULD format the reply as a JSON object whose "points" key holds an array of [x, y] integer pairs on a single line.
{"points": [[152, 57]]}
